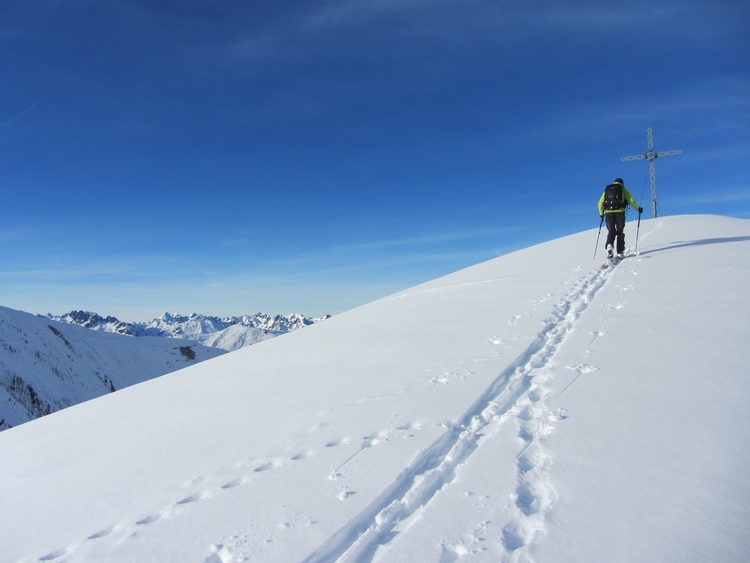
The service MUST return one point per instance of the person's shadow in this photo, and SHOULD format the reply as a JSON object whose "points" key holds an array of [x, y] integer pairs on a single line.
{"points": [[685, 244]]}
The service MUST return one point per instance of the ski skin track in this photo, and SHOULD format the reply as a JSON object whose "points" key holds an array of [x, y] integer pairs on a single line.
{"points": [[436, 466]]}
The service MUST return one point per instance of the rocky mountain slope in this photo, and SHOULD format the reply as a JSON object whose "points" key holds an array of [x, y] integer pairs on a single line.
{"points": [[46, 365]]}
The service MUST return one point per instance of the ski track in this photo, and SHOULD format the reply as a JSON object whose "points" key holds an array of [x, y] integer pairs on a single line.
{"points": [[518, 391]]}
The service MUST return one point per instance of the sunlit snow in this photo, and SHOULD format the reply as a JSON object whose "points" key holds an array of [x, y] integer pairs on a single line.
{"points": [[530, 408]]}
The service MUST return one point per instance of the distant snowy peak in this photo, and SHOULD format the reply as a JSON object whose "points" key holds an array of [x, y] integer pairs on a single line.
{"points": [[180, 326], [208, 330], [280, 323], [95, 322]]}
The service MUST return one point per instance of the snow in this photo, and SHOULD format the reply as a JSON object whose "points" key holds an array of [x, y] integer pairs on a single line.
{"points": [[530, 408], [226, 333], [46, 365]]}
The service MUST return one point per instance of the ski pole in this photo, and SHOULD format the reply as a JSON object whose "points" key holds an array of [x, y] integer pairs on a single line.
{"points": [[597, 236], [637, 232]]}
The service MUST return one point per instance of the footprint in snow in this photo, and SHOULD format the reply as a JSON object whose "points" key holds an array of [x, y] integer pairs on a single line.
{"points": [[597, 333], [530, 458], [583, 368], [517, 534], [219, 554], [54, 555], [410, 427], [374, 439], [368, 442], [533, 494], [236, 483], [446, 377], [273, 464], [339, 442], [303, 455], [452, 553], [528, 412], [514, 320], [101, 533], [538, 302], [538, 393], [193, 498], [345, 494], [150, 519]]}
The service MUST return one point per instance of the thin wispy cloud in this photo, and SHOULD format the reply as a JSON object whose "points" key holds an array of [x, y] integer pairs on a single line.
{"points": [[63, 83], [332, 152], [24, 112], [708, 98], [599, 16]]}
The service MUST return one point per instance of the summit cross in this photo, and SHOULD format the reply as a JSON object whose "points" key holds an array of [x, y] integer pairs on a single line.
{"points": [[651, 156]]}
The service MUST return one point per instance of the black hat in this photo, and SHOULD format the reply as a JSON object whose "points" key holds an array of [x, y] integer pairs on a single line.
{"points": [[619, 181]]}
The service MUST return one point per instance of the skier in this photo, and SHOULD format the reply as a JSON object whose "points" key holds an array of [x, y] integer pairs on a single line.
{"points": [[612, 205]]}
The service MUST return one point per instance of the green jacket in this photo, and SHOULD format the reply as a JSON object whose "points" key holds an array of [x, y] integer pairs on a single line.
{"points": [[627, 198]]}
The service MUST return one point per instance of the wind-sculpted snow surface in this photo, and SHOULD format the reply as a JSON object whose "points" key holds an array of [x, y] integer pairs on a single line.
{"points": [[531, 408]]}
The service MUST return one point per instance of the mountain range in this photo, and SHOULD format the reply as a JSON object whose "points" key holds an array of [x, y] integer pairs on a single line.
{"points": [[227, 333], [46, 366], [48, 363]]}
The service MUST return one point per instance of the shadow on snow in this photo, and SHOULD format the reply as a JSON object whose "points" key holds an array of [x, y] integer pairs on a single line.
{"points": [[685, 244]]}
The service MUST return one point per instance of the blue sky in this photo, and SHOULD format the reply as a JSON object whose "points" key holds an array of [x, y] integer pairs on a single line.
{"points": [[227, 157]]}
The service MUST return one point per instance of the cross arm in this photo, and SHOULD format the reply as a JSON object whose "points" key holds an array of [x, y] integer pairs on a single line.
{"points": [[650, 155]]}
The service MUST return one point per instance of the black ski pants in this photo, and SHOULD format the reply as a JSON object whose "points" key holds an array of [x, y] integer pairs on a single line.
{"points": [[616, 229]]}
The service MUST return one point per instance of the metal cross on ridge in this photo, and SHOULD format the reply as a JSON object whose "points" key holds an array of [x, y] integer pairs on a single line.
{"points": [[651, 156]]}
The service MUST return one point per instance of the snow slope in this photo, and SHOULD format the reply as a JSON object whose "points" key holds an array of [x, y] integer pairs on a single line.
{"points": [[46, 366], [530, 408]]}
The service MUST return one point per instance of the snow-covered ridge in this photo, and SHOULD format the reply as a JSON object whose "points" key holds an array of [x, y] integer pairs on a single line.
{"points": [[227, 333], [533, 408], [46, 366]]}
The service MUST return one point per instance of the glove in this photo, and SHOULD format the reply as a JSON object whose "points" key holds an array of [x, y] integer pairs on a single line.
{"points": [[640, 210]]}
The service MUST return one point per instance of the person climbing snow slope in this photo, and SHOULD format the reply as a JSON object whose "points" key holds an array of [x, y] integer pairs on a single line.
{"points": [[612, 206]]}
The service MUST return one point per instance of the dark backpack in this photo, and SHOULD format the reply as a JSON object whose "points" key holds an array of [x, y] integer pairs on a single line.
{"points": [[614, 197]]}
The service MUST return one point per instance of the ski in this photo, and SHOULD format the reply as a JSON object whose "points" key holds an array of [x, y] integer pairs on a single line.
{"points": [[611, 262]]}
